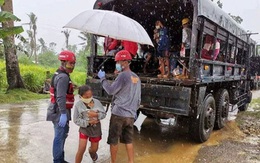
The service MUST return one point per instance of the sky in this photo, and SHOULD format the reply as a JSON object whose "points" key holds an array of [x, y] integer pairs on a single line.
{"points": [[54, 14]]}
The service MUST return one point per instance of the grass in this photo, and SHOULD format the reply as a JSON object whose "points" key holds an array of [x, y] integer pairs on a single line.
{"points": [[255, 105], [20, 95], [250, 114], [34, 76]]}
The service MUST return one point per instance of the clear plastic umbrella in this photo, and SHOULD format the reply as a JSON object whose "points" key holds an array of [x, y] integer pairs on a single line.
{"points": [[110, 24]]}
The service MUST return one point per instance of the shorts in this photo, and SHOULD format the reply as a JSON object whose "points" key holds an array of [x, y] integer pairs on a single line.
{"points": [[91, 139], [164, 53], [120, 128]]}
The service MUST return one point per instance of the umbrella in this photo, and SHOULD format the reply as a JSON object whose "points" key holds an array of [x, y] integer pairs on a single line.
{"points": [[110, 24]]}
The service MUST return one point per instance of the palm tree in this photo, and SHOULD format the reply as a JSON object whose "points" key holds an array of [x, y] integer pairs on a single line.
{"points": [[67, 35], [13, 75], [42, 45], [52, 46], [86, 38], [31, 42], [33, 28]]}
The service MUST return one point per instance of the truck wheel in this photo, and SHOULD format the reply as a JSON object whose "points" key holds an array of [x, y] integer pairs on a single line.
{"points": [[222, 108], [202, 126]]}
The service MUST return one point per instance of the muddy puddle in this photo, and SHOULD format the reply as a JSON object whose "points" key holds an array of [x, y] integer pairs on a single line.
{"points": [[27, 137]]}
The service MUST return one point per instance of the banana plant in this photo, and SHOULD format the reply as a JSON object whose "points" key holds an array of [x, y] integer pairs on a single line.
{"points": [[8, 16]]}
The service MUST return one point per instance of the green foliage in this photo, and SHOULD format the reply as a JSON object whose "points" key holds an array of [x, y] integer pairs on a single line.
{"points": [[24, 59], [2, 51], [48, 59], [78, 78], [8, 16], [2, 2], [81, 61], [32, 82], [34, 76], [3, 82]]}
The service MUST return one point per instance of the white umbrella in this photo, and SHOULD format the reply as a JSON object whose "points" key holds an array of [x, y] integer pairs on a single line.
{"points": [[110, 24]]}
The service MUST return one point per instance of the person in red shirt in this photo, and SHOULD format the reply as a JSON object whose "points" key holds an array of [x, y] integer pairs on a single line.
{"points": [[207, 51], [130, 46], [111, 46]]}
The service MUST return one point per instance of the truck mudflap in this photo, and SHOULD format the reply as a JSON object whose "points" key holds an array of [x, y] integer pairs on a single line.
{"points": [[168, 99]]}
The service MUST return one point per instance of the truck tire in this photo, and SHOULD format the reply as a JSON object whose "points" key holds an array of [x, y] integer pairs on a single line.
{"points": [[222, 108], [202, 126]]}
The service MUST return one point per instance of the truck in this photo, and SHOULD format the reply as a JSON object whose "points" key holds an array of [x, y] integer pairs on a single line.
{"points": [[211, 87], [255, 69]]}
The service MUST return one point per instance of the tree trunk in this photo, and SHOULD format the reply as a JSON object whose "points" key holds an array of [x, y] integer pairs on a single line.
{"points": [[13, 76], [35, 44]]}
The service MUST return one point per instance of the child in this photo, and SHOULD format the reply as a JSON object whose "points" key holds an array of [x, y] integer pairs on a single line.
{"points": [[87, 114]]}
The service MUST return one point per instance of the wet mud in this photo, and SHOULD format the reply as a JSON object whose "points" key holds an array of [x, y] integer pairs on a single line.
{"points": [[27, 138], [244, 148]]}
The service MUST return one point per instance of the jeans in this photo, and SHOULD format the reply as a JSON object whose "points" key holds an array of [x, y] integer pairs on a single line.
{"points": [[61, 133]]}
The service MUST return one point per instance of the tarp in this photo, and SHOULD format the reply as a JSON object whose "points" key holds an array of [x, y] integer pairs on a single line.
{"points": [[205, 8], [211, 11]]}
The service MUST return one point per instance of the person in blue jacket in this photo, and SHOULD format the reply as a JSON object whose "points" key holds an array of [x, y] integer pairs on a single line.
{"points": [[163, 50]]}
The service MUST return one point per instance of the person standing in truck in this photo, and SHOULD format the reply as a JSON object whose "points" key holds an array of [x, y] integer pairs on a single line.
{"points": [[186, 42], [62, 100], [126, 91], [163, 50]]}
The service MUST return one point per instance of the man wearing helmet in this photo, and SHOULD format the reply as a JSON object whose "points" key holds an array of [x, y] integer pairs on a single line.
{"points": [[126, 91], [186, 41], [62, 100]]}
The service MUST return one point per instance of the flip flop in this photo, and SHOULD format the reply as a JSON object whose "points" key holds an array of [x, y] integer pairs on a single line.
{"points": [[96, 157]]}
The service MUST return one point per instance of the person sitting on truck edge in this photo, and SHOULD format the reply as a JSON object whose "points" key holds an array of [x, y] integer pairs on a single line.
{"points": [[130, 46], [111, 46], [186, 42], [88, 112], [126, 91], [163, 50], [147, 55], [207, 50]]}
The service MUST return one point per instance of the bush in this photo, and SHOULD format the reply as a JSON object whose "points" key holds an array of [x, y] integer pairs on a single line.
{"points": [[33, 82], [78, 78], [34, 76], [48, 59], [23, 59], [3, 82]]}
